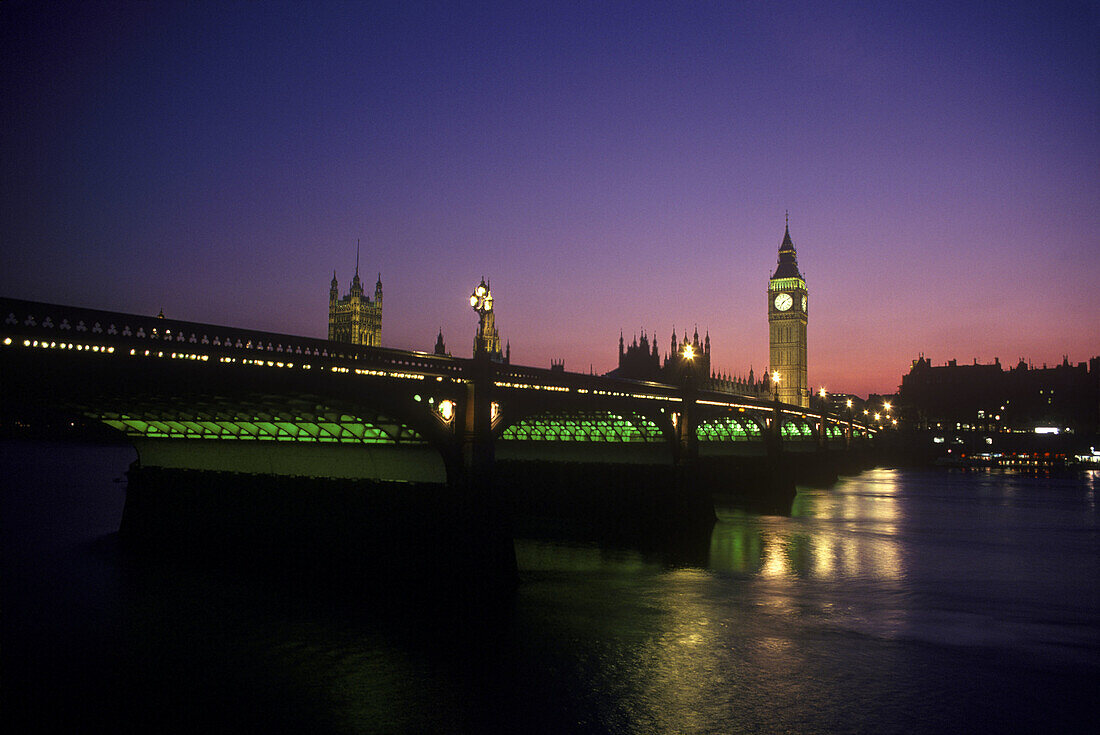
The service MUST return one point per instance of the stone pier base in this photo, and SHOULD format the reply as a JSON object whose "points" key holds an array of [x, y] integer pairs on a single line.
{"points": [[344, 534]]}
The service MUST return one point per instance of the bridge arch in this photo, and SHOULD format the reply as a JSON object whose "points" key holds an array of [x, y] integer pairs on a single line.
{"points": [[609, 435], [796, 428], [318, 437], [320, 424], [740, 428]]}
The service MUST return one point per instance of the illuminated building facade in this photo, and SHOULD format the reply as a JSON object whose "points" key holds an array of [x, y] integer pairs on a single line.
{"points": [[787, 310], [355, 318]]}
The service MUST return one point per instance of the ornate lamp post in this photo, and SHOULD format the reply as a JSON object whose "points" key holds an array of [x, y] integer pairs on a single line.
{"points": [[687, 363], [688, 417], [824, 432], [487, 339], [777, 421], [478, 450], [848, 403]]}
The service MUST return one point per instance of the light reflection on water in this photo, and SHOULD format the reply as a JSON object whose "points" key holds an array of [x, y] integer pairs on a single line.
{"points": [[892, 602], [847, 532]]}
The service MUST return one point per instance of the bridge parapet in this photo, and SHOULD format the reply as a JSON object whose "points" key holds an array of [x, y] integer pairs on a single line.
{"points": [[57, 324]]}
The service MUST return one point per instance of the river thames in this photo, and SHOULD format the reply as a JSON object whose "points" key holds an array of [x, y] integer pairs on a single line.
{"points": [[897, 601]]}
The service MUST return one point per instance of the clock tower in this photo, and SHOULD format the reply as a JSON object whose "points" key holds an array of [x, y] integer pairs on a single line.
{"points": [[787, 304]]}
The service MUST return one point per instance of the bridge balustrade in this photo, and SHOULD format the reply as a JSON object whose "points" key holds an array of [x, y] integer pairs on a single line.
{"points": [[64, 324]]}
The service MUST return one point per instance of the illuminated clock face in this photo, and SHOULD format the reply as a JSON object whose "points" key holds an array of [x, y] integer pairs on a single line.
{"points": [[473, 301], [803, 303], [783, 301]]}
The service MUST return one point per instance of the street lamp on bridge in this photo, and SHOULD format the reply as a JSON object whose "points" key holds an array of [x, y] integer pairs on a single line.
{"points": [[775, 382]]}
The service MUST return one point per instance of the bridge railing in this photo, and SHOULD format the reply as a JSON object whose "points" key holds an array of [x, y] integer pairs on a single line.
{"points": [[57, 323], [532, 378]]}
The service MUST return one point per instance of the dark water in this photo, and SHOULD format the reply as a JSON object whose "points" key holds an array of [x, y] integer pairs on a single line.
{"points": [[893, 602]]}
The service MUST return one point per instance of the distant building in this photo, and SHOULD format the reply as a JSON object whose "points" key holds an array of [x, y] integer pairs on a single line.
{"points": [[355, 318], [982, 397], [787, 310], [843, 403], [440, 345]]}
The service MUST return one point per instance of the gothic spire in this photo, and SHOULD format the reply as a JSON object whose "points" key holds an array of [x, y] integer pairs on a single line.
{"points": [[356, 286], [788, 259]]}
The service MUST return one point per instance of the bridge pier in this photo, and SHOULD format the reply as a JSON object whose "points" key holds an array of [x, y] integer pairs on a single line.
{"points": [[352, 538], [485, 513], [477, 426], [758, 483]]}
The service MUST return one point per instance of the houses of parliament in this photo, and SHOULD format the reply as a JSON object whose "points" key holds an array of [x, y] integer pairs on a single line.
{"points": [[788, 302], [357, 319]]}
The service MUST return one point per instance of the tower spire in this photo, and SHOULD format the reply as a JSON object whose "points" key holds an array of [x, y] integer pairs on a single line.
{"points": [[788, 259], [357, 257]]}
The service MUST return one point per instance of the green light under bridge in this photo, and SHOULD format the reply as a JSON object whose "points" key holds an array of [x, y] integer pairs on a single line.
{"points": [[345, 430], [795, 430], [583, 427], [727, 429]]}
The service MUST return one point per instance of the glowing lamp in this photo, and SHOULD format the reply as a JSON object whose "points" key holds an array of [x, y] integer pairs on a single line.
{"points": [[446, 410]]}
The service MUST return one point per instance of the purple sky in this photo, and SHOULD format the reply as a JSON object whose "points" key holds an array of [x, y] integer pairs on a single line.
{"points": [[607, 165]]}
